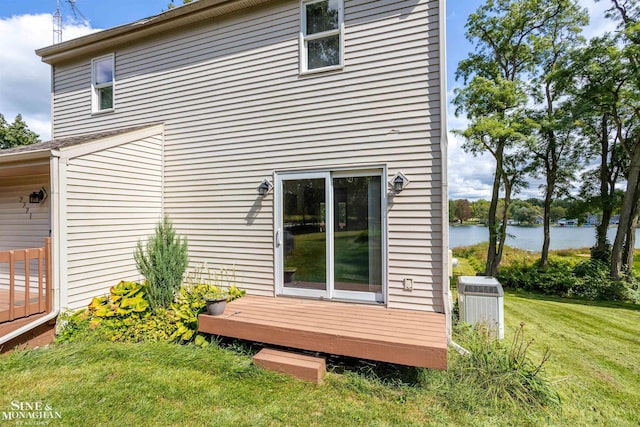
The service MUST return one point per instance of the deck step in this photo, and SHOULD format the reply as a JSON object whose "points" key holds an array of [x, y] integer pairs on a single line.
{"points": [[306, 368]]}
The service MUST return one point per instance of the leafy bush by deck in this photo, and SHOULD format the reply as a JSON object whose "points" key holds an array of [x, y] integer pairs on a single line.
{"points": [[162, 262], [126, 316]]}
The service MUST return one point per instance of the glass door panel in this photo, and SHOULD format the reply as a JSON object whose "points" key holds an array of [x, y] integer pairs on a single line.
{"points": [[357, 236], [304, 239]]}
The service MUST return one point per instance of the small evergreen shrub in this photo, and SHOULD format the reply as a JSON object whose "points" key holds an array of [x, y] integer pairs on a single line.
{"points": [[162, 262]]}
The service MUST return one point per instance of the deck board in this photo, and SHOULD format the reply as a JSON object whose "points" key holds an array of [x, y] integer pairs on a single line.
{"points": [[35, 305], [371, 332]]}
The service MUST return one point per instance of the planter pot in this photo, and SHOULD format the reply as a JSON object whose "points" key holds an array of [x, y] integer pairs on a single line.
{"points": [[215, 307], [289, 275]]}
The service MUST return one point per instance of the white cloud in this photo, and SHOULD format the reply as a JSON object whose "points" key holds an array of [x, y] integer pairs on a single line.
{"points": [[25, 81], [598, 24]]}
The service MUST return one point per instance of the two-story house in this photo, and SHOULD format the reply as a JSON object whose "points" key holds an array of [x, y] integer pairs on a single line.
{"points": [[300, 142]]}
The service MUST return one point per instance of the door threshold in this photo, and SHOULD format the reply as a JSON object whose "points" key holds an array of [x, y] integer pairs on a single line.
{"points": [[342, 300]]}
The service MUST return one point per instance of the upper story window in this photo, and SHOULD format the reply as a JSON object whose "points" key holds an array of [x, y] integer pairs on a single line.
{"points": [[102, 80], [321, 34]]}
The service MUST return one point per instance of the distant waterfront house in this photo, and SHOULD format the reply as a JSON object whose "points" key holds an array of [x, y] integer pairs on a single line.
{"points": [[280, 136], [615, 220], [564, 222], [592, 220]]}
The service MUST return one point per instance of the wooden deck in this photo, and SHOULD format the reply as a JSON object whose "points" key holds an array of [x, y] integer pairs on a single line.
{"points": [[406, 337], [20, 309], [25, 286]]}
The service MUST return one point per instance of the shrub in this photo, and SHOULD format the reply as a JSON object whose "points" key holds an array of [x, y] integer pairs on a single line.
{"points": [[595, 283], [556, 279], [587, 279], [125, 315], [162, 262]]}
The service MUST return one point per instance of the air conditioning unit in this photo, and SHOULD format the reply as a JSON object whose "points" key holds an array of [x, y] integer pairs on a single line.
{"points": [[481, 300]]}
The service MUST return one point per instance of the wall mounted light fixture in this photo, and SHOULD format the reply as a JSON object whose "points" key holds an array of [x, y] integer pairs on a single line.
{"points": [[399, 182], [38, 196], [265, 187]]}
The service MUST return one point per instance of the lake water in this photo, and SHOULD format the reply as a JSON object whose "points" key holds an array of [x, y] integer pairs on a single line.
{"points": [[530, 238]]}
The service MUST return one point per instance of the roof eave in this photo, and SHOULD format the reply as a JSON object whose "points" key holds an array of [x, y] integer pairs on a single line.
{"points": [[125, 34], [25, 155]]}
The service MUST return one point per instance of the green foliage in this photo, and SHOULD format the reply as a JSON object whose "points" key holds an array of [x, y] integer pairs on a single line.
{"points": [[556, 279], [501, 374], [15, 134], [588, 279], [162, 262], [125, 315]]}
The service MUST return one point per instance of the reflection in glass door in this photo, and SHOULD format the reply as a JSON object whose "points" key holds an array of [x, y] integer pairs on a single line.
{"points": [[329, 235], [357, 236], [304, 238]]}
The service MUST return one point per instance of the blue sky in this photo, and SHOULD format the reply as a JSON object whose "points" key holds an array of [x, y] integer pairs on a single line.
{"points": [[26, 25]]}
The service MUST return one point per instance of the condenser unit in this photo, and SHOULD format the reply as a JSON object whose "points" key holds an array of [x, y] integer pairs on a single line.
{"points": [[481, 300]]}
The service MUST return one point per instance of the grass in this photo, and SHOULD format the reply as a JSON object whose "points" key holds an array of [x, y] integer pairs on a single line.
{"points": [[596, 358], [595, 364]]}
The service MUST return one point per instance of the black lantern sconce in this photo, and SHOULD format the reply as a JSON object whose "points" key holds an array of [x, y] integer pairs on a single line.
{"points": [[398, 183], [264, 188], [38, 196]]}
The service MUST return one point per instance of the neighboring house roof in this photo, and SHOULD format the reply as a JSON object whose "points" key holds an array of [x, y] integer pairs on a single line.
{"points": [[9, 154], [188, 14]]}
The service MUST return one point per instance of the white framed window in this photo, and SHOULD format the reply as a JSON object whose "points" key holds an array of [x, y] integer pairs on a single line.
{"points": [[102, 83], [321, 35]]}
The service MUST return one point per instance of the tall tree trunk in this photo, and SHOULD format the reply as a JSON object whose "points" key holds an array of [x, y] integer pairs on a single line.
{"points": [[491, 268], [630, 239], [628, 206], [503, 226], [601, 249], [546, 243], [551, 171]]}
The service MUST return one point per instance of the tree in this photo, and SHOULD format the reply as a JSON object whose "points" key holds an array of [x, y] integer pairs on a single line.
{"points": [[557, 212], [171, 4], [15, 134], [556, 149], [507, 38], [625, 113], [452, 210], [480, 210], [595, 94], [462, 210]]}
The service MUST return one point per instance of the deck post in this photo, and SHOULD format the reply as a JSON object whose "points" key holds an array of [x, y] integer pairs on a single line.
{"points": [[40, 278], [49, 291], [12, 284], [27, 282]]}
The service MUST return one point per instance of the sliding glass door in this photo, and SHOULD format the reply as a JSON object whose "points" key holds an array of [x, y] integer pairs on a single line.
{"points": [[329, 237]]}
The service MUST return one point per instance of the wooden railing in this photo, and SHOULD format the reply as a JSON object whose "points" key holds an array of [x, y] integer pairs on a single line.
{"points": [[25, 295]]}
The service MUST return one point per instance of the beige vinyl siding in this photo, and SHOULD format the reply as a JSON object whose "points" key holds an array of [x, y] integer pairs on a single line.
{"points": [[236, 110], [23, 225], [113, 199]]}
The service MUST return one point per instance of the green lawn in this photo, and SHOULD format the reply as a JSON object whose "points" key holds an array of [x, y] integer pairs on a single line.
{"points": [[595, 364]]}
